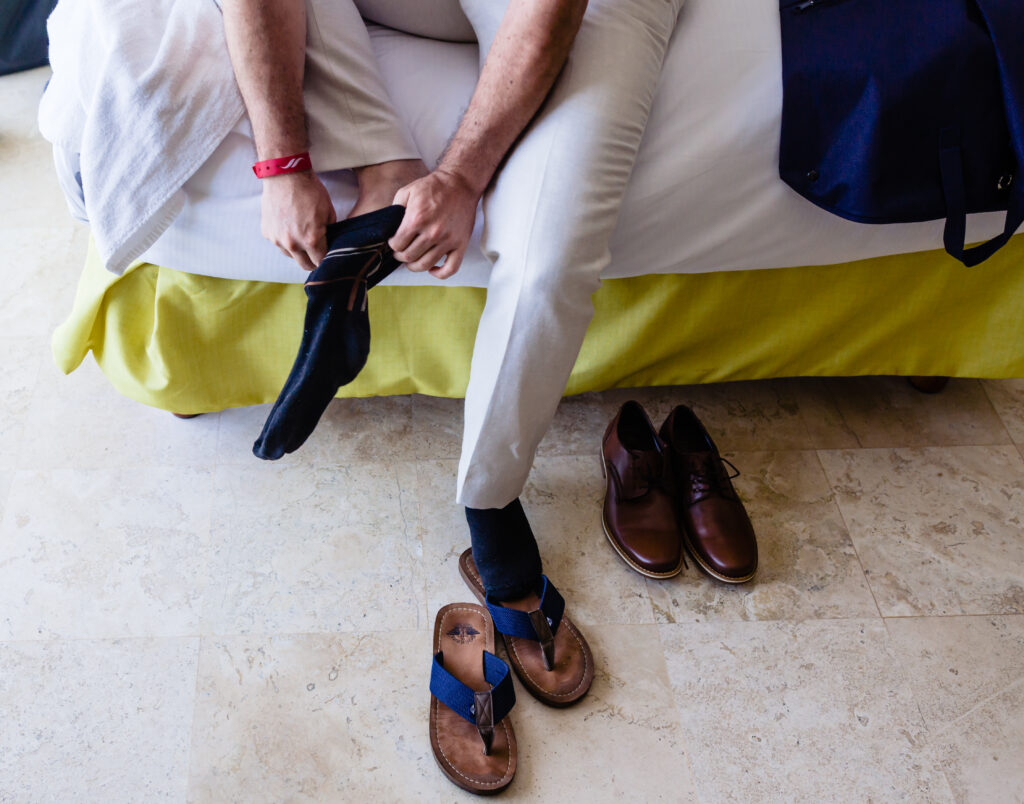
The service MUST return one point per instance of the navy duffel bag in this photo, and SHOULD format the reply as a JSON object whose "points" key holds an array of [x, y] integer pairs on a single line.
{"points": [[897, 111]]}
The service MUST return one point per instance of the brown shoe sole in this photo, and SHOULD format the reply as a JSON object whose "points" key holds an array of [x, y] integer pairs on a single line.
{"points": [[660, 576], [524, 651], [455, 742]]}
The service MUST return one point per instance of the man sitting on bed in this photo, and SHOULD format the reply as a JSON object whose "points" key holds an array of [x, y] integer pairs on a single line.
{"points": [[548, 142]]}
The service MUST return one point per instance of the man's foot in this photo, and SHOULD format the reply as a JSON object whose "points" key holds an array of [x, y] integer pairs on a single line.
{"points": [[545, 648], [379, 183]]}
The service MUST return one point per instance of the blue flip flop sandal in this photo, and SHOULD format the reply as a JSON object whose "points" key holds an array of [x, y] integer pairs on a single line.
{"points": [[471, 694]]}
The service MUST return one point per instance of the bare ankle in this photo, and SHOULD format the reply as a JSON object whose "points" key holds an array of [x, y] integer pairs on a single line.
{"points": [[379, 183]]}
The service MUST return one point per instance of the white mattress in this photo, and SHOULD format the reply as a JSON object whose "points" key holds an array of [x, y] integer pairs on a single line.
{"points": [[704, 196]]}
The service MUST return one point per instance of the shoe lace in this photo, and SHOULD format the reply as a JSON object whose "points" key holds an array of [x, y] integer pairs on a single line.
{"points": [[648, 470], [708, 476]]}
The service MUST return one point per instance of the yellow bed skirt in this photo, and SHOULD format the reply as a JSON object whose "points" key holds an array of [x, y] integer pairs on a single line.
{"points": [[193, 344]]}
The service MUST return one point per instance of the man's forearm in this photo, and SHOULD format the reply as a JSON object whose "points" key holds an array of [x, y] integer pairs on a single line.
{"points": [[267, 43], [528, 52]]}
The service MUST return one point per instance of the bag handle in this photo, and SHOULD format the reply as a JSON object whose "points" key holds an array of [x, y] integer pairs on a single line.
{"points": [[951, 164]]}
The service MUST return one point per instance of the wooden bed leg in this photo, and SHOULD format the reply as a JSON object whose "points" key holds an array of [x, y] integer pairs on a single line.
{"points": [[186, 415], [928, 385]]}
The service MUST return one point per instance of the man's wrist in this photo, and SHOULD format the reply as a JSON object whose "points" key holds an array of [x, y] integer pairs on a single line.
{"points": [[473, 179], [290, 183]]}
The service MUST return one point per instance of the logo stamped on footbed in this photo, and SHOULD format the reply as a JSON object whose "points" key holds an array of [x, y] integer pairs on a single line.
{"points": [[463, 633]]}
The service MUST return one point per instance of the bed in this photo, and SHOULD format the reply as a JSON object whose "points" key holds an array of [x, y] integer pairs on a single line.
{"points": [[719, 271]]}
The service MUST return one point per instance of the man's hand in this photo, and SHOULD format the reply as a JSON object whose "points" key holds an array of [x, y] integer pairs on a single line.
{"points": [[296, 211], [440, 210], [528, 53]]}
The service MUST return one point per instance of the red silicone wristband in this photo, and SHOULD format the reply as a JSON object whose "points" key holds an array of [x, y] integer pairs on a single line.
{"points": [[297, 163]]}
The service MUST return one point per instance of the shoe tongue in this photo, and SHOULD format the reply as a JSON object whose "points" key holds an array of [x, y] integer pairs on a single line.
{"points": [[645, 457], [704, 458], [645, 472]]}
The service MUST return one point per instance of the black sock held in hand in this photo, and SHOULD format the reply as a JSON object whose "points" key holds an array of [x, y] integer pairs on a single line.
{"points": [[336, 333]]}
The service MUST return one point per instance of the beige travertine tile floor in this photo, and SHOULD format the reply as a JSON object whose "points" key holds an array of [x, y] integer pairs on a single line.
{"points": [[181, 622]]}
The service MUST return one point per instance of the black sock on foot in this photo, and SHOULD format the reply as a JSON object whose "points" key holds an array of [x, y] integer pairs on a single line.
{"points": [[336, 331], [504, 550]]}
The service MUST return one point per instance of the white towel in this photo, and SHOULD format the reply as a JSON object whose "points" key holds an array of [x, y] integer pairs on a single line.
{"points": [[144, 93]]}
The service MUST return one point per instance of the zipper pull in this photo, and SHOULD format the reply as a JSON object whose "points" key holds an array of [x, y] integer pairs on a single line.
{"points": [[801, 7]]}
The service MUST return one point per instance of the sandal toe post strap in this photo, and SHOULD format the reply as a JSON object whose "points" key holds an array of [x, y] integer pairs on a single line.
{"points": [[485, 709], [483, 714], [540, 625], [546, 637]]}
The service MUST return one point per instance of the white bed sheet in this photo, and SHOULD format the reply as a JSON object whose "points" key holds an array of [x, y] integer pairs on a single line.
{"points": [[705, 194]]}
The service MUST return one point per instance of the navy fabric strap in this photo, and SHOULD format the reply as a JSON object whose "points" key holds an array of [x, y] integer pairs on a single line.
{"points": [[955, 233], [1002, 18], [517, 623], [460, 698]]}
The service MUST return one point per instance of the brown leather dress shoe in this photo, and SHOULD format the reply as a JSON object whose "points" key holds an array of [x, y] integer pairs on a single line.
{"points": [[716, 528], [639, 516]]}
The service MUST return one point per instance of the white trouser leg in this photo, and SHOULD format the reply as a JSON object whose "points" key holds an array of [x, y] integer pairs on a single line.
{"points": [[548, 221]]}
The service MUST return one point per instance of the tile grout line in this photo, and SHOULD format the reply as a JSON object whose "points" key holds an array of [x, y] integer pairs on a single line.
{"points": [[204, 602], [932, 731], [842, 417], [853, 543], [995, 410], [800, 623], [21, 433], [679, 714], [588, 455], [913, 695], [265, 634], [947, 726], [414, 629], [192, 720], [949, 616], [423, 611], [228, 635]]}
